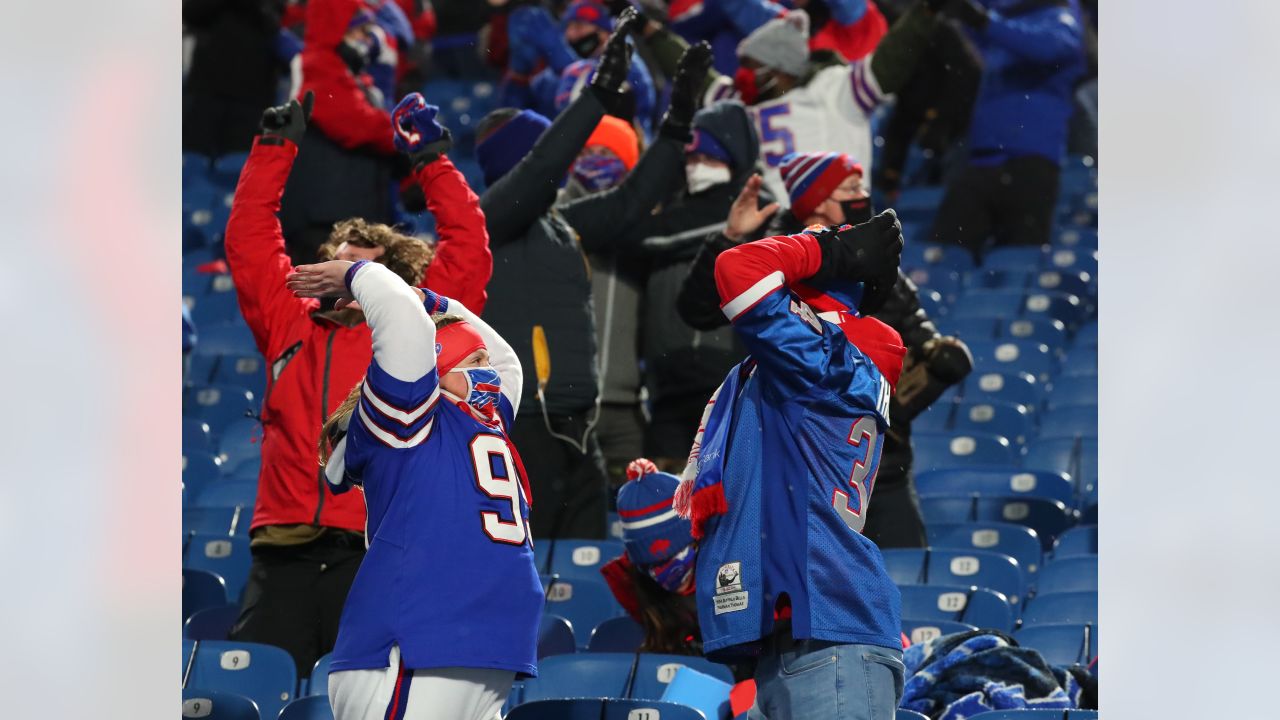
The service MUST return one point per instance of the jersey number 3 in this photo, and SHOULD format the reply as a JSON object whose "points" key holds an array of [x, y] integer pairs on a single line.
{"points": [[496, 477], [864, 436]]}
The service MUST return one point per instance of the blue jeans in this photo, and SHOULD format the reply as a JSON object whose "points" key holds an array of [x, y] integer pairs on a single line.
{"points": [[814, 679]]}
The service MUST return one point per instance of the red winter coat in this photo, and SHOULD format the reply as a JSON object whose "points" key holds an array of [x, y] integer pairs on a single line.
{"points": [[313, 361], [855, 41]]}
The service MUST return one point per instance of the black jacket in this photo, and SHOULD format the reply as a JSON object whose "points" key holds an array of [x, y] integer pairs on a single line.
{"points": [[540, 275]]}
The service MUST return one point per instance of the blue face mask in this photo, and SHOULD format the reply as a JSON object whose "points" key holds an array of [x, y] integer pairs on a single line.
{"points": [[484, 387], [598, 172], [676, 573]]}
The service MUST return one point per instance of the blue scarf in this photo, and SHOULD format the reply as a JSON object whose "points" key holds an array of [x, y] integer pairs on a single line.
{"points": [[700, 496]]}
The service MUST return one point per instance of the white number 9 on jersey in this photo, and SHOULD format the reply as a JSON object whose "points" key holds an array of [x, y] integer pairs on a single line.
{"points": [[865, 437], [485, 450]]}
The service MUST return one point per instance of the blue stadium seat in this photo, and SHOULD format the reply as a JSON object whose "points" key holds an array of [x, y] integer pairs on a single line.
{"points": [[1054, 304], [618, 634], [195, 436], [1077, 260], [985, 609], [1081, 540], [1072, 390], [313, 707], [228, 494], [1048, 331], [1022, 483], [1007, 420], [1081, 360], [924, 254], [241, 441], [1047, 517], [942, 450], [901, 714], [1070, 574], [1061, 607], [211, 623], [194, 166], [1070, 421], [1013, 356], [1076, 238], [981, 279], [219, 339], [580, 675], [972, 328], [555, 636], [1086, 336], [220, 405], [942, 280], [1017, 541], [602, 709], [243, 369], [214, 705], [655, 671], [200, 590], [933, 304], [1061, 643], [318, 683], [218, 520], [925, 566], [1015, 257], [580, 559], [1003, 304], [226, 169], [199, 469], [224, 555], [922, 631], [1066, 281], [264, 673], [1077, 457], [220, 308], [584, 603]]}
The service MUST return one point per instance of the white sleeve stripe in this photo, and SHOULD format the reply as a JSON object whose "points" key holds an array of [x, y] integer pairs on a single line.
{"points": [[391, 440], [401, 416], [753, 295], [640, 524]]}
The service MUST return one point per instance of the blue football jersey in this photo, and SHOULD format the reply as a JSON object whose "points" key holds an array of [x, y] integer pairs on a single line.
{"points": [[797, 468], [449, 576]]}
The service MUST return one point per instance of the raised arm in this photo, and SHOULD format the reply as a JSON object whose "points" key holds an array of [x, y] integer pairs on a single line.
{"points": [[502, 356], [899, 52], [254, 242]]}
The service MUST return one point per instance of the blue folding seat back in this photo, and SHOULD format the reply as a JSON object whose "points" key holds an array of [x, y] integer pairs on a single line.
{"points": [[982, 279], [1072, 574], [901, 714], [1002, 304], [226, 169], [985, 609], [228, 493], [567, 708], [264, 673], [218, 339], [215, 705], [1054, 304], [925, 254], [968, 329], [1074, 259], [218, 520], [942, 450], [618, 634], [922, 631], [1072, 282], [1010, 481], [1086, 336], [1061, 607], [1048, 518], [224, 555], [579, 675], [1080, 540], [1049, 331], [1076, 238], [1008, 420], [655, 671], [584, 603], [1081, 360], [1077, 457], [215, 309], [199, 469], [315, 707], [631, 709], [220, 405], [213, 623], [933, 304], [1013, 356], [555, 636], [1017, 541], [201, 589], [986, 569], [942, 280], [243, 369], [195, 436], [318, 683], [1014, 387], [1061, 643], [1066, 390], [572, 559], [1015, 257], [239, 441], [1079, 420]]}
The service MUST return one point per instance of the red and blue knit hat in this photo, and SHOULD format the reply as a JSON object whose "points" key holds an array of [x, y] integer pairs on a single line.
{"points": [[651, 530], [589, 11], [810, 178]]}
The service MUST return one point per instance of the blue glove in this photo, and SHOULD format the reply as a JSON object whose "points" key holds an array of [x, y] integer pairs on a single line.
{"points": [[847, 12], [417, 133], [533, 35]]}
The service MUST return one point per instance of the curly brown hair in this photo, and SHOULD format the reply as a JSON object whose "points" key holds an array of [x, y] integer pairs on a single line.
{"points": [[404, 255]]}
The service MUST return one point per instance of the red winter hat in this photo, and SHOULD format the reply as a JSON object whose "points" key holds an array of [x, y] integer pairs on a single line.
{"points": [[454, 343]]}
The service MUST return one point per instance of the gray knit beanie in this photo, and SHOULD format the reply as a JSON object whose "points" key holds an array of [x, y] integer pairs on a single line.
{"points": [[781, 44]]}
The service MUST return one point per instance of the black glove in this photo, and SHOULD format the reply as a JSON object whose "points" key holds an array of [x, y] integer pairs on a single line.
{"points": [[866, 253], [934, 6], [690, 75], [876, 293], [288, 121], [615, 61], [948, 358], [617, 7], [968, 12]]}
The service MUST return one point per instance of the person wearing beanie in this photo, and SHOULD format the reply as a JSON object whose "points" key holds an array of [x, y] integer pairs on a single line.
{"points": [[542, 288], [826, 189], [610, 153], [811, 103]]}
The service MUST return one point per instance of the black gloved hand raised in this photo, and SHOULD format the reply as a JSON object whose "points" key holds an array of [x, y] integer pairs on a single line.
{"points": [[615, 61], [288, 121], [690, 76], [876, 293], [867, 253]]}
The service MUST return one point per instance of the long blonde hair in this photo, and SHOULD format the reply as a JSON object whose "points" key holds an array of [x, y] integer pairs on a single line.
{"points": [[332, 429]]}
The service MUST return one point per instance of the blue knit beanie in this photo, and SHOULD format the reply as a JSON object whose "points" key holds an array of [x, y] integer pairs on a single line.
{"points": [[651, 530], [508, 145]]}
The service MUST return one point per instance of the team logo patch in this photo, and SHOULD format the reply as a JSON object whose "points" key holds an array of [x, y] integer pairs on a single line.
{"points": [[729, 597]]}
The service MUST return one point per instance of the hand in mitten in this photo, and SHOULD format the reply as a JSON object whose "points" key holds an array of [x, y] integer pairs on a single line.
{"points": [[615, 61], [417, 133], [530, 30], [865, 253], [690, 76], [288, 121]]}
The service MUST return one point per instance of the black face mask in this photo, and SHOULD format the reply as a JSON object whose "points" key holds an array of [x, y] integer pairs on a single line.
{"points": [[352, 57], [857, 212], [586, 45]]}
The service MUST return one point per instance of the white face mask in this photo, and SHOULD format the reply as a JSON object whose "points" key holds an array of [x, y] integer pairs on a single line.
{"points": [[702, 176]]}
